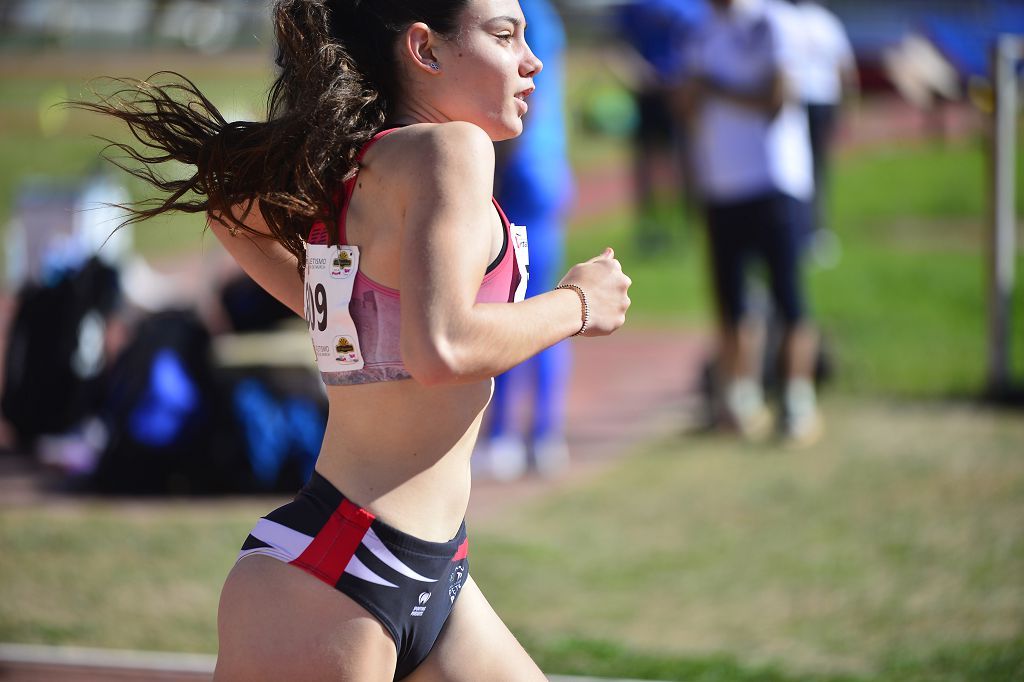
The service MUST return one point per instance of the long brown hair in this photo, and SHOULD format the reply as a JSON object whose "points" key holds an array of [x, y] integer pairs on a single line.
{"points": [[336, 87]]}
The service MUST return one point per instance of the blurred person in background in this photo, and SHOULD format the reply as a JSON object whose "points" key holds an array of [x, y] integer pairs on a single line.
{"points": [[752, 160], [655, 35], [534, 185], [364, 203], [824, 74]]}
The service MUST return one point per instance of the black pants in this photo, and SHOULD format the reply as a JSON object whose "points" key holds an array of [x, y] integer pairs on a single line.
{"points": [[770, 228]]}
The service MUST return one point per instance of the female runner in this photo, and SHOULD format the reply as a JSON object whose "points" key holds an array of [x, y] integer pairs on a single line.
{"points": [[369, 185]]}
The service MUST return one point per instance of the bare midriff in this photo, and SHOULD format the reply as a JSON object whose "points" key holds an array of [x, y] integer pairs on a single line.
{"points": [[402, 450]]}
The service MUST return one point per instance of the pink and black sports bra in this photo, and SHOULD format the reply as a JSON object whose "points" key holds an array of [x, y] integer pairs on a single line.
{"points": [[363, 346]]}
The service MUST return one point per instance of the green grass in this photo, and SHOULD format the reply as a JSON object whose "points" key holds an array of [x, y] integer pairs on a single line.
{"points": [[893, 545], [982, 662], [892, 552], [42, 140], [118, 575]]}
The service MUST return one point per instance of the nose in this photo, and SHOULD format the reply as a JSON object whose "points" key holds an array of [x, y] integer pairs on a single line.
{"points": [[531, 65]]}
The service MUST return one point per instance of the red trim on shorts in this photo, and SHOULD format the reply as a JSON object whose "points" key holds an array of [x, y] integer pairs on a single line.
{"points": [[333, 547]]}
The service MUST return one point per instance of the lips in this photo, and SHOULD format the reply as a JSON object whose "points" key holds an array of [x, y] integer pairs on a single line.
{"points": [[521, 98]]}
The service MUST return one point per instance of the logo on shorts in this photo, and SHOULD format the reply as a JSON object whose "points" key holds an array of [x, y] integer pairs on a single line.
{"points": [[418, 610], [455, 582]]}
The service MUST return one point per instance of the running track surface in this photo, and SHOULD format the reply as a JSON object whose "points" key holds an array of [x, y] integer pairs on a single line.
{"points": [[625, 389], [27, 663]]}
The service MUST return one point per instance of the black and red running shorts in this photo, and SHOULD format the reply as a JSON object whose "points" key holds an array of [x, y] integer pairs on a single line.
{"points": [[410, 585]]}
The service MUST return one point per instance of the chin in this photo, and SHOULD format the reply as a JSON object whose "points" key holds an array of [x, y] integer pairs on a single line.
{"points": [[506, 130]]}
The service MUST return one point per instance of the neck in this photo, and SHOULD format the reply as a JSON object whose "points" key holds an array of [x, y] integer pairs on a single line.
{"points": [[411, 112]]}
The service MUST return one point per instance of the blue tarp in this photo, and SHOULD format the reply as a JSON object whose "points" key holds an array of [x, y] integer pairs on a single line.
{"points": [[968, 44]]}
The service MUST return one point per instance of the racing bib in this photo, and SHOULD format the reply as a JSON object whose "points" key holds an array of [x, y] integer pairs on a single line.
{"points": [[330, 276], [522, 251]]}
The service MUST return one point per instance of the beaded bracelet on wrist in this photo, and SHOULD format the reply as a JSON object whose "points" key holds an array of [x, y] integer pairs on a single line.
{"points": [[584, 306]]}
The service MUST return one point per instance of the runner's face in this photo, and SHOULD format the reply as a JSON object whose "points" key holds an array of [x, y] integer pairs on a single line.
{"points": [[488, 68]]}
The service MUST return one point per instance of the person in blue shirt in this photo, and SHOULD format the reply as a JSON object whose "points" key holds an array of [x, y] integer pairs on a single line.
{"points": [[656, 34], [534, 185]]}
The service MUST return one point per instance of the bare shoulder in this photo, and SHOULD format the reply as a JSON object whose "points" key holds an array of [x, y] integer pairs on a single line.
{"points": [[430, 153], [456, 137]]}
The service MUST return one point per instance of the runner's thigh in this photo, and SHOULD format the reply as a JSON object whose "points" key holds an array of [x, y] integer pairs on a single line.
{"points": [[475, 645], [277, 622]]}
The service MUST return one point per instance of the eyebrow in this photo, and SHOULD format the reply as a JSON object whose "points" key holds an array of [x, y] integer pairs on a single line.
{"points": [[515, 21]]}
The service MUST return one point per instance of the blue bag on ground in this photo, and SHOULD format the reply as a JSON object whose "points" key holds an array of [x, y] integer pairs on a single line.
{"points": [[167, 430], [281, 415], [179, 424]]}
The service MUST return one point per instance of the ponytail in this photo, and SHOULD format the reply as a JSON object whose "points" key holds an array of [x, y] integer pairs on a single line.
{"points": [[335, 89]]}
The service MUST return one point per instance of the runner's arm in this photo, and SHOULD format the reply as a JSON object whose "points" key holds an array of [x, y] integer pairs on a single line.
{"points": [[447, 337], [268, 263]]}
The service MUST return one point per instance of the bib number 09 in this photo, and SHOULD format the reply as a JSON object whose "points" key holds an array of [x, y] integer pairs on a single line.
{"points": [[316, 307]]}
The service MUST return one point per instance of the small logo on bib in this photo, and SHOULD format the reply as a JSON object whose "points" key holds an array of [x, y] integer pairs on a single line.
{"points": [[341, 265], [344, 351]]}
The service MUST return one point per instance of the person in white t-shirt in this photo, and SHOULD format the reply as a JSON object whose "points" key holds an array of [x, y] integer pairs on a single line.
{"points": [[823, 75], [752, 159]]}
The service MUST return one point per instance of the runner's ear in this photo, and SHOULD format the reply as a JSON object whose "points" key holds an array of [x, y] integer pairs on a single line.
{"points": [[417, 47]]}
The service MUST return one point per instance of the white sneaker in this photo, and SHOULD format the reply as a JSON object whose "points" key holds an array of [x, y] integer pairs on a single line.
{"points": [[804, 425], [744, 403], [804, 430], [507, 458], [551, 456]]}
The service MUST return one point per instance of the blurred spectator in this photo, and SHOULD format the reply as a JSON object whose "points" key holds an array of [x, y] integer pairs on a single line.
{"points": [[534, 183], [924, 77], [56, 228], [752, 158], [823, 73], [655, 35]]}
